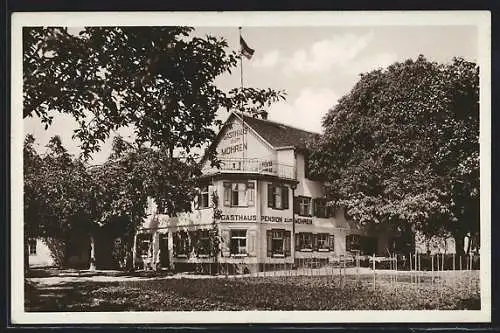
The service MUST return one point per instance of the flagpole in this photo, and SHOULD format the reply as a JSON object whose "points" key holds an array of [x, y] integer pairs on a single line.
{"points": [[241, 106], [241, 62]]}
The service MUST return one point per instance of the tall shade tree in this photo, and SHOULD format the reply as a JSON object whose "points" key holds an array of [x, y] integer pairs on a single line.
{"points": [[55, 194], [63, 196], [158, 80], [402, 148], [123, 183]]}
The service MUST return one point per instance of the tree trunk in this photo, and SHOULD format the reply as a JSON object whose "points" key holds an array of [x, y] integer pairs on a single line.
{"points": [[459, 243], [92, 253], [134, 252], [469, 241]]}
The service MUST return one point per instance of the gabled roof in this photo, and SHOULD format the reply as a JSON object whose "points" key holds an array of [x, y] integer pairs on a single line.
{"points": [[279, 135], [275, 134]]}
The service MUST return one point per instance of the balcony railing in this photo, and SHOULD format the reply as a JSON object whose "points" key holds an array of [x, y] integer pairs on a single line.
{"points": [[254, 166]]}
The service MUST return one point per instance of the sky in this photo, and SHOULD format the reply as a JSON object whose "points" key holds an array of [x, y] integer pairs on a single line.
{"points": [[314, 65]]}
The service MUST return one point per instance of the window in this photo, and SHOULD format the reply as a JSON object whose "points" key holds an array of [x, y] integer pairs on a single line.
{"points": [[277, 196], [32, 246], [181, 244], [203, 248], [278, 243], [304, 241], [323, 242], [238, 244], [304, 206], [203, 198], [320, 208], [143, 243], [239, 194]]}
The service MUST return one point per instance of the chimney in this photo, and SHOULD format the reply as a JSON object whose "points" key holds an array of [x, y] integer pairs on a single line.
{"points": [[263, 114]]}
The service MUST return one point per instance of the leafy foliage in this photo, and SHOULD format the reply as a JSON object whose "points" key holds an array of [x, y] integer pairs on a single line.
{"points": [[159, 80], [62, 194], [54, 190], [403, 148]]}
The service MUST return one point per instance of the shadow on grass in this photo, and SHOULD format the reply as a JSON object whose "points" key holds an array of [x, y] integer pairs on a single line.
{"points": [[292, 293], [71, 296], [47, 272]]}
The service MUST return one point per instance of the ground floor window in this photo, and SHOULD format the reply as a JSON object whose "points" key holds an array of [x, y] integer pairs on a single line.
{"points": [[144, 243], [238, 244], [323, 242], [278, 243], [203, 243], [304, 241], [181, 244], [32, 246]]}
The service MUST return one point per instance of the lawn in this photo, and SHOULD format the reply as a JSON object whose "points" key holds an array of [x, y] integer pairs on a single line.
{"points": [[257, 293]]}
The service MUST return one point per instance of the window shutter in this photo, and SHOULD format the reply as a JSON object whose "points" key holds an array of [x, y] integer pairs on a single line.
{"points": [[270, 196], [252, 236], [212, 190], [297, 242], [226, 243], [175, 239], [196, 202], [327, 209], [227, 195], [315, 242], [296, 206], [269, 236], [315, 207], [306, 165], [284, 197], [310, 207], [288, 245], [331, 242], [251, 194]]}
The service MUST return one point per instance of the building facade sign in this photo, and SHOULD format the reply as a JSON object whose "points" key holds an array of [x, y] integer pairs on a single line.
{"points": [[301, 220], [233, 149], [238, 217], [253, 218]]}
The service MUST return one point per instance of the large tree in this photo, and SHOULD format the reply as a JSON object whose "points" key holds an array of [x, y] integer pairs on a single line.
{"points": [[133, 173], [55, 194], [403, 148], [63, 196], [158, 80]]}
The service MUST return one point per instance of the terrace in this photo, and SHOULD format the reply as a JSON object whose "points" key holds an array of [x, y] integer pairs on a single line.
{"points": [[253, 166]]}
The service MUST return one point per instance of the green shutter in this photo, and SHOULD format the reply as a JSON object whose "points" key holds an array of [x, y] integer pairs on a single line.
{"points": [[288, 243], [306, 165], [269, 236], [315, 242], [284, 197], [270, 196], [227, 195], [331, 242]]}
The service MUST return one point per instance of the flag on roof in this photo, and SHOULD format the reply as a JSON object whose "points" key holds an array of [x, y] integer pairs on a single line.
{"points": [[246, 51]]}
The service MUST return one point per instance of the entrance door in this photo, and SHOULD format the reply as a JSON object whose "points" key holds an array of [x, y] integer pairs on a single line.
{"points": [[164, 255]]}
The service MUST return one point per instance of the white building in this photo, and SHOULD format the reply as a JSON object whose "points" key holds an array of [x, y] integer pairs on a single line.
{"points": [[271, 212]]}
